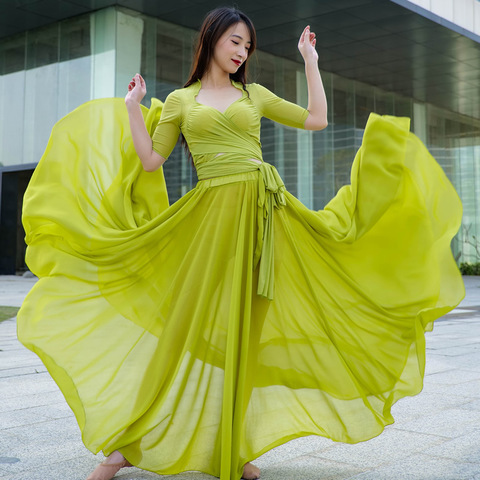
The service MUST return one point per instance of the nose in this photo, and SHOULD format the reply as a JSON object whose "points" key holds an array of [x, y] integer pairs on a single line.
{"points": [[242, 52]]}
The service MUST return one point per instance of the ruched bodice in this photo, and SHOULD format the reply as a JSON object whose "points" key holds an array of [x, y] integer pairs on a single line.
{"points": [[210, 133]]}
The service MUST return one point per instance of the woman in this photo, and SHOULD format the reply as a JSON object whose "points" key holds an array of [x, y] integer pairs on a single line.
{"points": [[203, 334]]}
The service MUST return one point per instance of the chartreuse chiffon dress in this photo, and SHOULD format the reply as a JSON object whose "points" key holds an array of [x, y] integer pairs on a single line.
{"points": [[199, 335]]}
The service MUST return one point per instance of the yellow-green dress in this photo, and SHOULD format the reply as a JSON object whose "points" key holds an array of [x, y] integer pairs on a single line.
{"points": [[198, 336]]}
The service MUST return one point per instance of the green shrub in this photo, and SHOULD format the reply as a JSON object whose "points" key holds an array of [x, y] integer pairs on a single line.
{"points": [[467, 268]]}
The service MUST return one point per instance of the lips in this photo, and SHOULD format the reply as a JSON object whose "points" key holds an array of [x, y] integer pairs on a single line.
{"points": [[237, 62]]}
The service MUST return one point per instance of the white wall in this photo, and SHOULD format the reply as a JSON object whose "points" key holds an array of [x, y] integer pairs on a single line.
{"points": [[464, 13]]}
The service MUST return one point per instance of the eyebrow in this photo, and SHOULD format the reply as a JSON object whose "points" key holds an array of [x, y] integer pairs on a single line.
{"points": [[240, 37]]}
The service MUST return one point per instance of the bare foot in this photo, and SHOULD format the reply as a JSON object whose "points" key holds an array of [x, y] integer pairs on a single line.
{"points": [[250, 472], [109, 467]]}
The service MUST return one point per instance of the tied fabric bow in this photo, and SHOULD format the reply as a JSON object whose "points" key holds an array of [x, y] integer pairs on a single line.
{"points": [[270, 195]]}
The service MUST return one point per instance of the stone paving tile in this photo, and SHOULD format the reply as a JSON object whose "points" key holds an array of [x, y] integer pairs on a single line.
{"points": [[8, 440], [391, 445], [473, 405], [437, 364], [469, 362], [454, 377], [309, 468], [56, 411], [46, 450], [4, 475], [20, 418], [467, 389], [23, 385], [30, 401], [72, 468], [458, 351], [18, 371], [464, 449], [293, 449], [450, 423], [422, 467], [410, 408], [19, 356], [13, 289], [46, 433]]}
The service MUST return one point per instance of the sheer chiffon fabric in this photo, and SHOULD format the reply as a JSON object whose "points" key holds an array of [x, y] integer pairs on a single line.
{"points": [[153, 321]]}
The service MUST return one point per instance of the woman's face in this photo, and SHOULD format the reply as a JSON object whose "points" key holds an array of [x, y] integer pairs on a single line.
{"points": [[232, 48]]}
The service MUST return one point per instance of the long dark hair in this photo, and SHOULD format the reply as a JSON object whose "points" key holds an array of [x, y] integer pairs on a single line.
{"points": [[214, 26]]}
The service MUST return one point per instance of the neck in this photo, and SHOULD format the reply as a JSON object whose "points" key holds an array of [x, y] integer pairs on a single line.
{"points": [[216, 79]]}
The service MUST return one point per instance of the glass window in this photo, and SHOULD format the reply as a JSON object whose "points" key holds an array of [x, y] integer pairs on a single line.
{"points": [[12, 54], [384, 102], [42, 46], [75, 67], [12, 99], [364, 104], [75, 39]]}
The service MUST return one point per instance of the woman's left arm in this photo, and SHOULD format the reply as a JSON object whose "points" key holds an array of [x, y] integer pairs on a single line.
{"points": [[317, 101]]}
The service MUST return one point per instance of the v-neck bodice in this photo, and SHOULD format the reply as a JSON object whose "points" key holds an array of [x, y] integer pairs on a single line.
{"points": [[234, 84], [213, 135]]}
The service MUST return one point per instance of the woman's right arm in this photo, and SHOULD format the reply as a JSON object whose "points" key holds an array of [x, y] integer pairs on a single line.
{"points": [[142, 141]]}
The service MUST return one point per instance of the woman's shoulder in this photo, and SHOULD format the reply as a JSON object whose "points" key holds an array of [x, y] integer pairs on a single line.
{"points": [[180, 99], [253, 87], [258, 93], [180, 93]]}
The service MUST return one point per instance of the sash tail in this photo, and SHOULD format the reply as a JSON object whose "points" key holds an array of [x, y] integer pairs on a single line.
{"points": [[270, 195]]}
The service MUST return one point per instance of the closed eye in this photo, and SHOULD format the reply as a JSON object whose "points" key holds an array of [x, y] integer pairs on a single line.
{"points": [[236, 43]]}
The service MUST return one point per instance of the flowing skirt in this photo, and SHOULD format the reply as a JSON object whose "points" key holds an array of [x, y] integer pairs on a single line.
{"points": [[147, 316]]}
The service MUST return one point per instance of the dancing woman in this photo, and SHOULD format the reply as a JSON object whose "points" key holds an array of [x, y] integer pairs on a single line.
{"points": [[200, 335]]}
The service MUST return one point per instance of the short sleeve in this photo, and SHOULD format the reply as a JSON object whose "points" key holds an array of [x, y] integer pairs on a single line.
{"points": [[167, 131], [276, 108]]}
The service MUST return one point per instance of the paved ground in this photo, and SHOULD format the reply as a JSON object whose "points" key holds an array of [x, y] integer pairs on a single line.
{"points": [[436, 435]]}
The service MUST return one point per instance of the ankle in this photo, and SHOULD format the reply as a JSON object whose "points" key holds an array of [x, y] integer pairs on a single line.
{"points": [[114, 457]]}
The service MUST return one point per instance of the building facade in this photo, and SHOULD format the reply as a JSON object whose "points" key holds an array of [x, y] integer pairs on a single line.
{"points": [[389, 57]]}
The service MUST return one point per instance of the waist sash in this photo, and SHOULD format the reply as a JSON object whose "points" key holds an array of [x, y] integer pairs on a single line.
{"points": [[270, 195]]}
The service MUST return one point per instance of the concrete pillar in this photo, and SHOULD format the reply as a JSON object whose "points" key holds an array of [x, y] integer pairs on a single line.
{"points": [[102, 38], [128, 51], [420, 121]]}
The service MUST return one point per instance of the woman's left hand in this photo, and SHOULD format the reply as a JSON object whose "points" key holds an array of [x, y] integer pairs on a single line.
{"points": [[136, 90], [306, 45]]}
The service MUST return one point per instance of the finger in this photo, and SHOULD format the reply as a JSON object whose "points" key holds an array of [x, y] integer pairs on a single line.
{"points": [[304, 33]]}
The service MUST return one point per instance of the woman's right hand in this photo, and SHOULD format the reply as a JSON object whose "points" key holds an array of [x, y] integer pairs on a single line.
{"points": [[137, 89]]}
